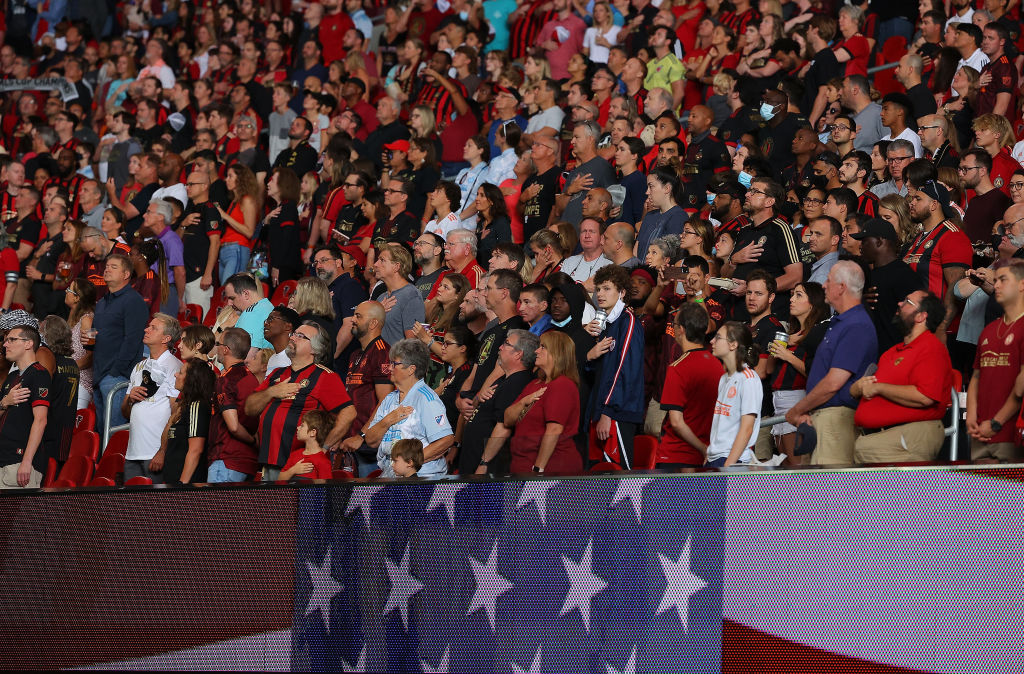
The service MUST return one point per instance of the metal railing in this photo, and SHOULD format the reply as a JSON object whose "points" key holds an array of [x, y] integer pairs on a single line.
{"points": [[107, 430], [885, 66]]}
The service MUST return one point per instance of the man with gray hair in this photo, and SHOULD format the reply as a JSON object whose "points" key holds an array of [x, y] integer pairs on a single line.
{"points": [[460, 256], [591, 171], [289, 392], [850, 345], [156, 221], [483, 441], [899, 153]]}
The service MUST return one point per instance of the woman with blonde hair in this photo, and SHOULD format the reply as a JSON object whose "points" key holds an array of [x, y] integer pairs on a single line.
{"points": [[423, 124], [602, 36], [536, 69], [566, 234], [239, 220], [893, 209], [960, 109], [994, 134], [443, 316], [546, 414]]}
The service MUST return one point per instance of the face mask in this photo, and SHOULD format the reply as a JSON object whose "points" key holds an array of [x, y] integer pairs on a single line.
{"points": [[711, 198], [819, 181], [561, 324], [714, 251], [745, 179], [767, 111]]}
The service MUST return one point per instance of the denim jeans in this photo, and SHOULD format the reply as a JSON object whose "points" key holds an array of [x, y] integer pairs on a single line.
{"points": [[233, 258], [218, 472], [99, 396]]}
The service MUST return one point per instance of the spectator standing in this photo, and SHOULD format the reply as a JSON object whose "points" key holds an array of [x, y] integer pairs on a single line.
{"points": [[898, 155], [277, 330], [200, 238], [242, 293], [665, 192], [63, 407], [24, 406], [233, 452], [460, 256], [591, 171], [846, 351], [346, 291], [119, 323], [288, 393], [402, 302], [823, 236], [867, 115], [617, 404], [157, 222], [691, 386], [147, 406], [183, 456], [988, 203], [903, 403], [369, 375], [996, 97], [994, 392], [561, 37], [80, 299], [738, 403]]}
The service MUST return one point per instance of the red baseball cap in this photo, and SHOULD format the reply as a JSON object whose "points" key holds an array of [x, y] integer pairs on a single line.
{"points": [[398, 146], [357, 254]]}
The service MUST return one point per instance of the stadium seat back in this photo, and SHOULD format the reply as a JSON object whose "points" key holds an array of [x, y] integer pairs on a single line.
{"points": [[77, 470], [85, 420], [111, 465], [283, 292], [138, 480], [118, 443], [645, 452], [87, 444]]}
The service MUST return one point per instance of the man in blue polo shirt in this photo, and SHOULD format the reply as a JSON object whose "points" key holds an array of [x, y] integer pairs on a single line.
{"points": [[849, 346], [242, 293]]}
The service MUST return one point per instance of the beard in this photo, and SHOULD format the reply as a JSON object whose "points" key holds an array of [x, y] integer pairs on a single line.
{"points": [[324, 275], [903, 326], [290, 350]]}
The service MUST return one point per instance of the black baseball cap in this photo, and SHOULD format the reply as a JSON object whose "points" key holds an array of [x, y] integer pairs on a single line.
{"points": [[879, 228]]}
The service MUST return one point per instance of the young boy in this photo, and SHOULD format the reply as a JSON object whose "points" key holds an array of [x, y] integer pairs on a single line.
{"points": [[310, 463], [617, 400], [407, 457]]}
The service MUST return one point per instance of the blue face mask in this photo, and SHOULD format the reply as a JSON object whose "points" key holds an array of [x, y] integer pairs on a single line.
{"points": [[711, 198], [561, 324], [767, 111], [745, 179]]}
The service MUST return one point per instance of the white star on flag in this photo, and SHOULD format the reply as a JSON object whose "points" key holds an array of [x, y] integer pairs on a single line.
{"points": [[324, 589], [534, 666], [442, 667], [489, 585], [536, 491], [444, 494], [630, 666], [632, 489], [403, 586], [360, 498], [680, 586], [583, 585], [360, 665]]}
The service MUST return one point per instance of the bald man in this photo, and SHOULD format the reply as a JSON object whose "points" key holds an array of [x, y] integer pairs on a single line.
{"points": [[705, 156], [597, 204], [369, 374], [617, 242]]}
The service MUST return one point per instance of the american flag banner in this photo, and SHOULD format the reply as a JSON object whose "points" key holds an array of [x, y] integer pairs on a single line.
{"points": [[588, 575]]}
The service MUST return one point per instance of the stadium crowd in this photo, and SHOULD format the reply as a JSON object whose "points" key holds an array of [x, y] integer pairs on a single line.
{"points": [[289, 238]]}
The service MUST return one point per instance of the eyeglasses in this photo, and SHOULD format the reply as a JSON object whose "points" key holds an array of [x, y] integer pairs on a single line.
{"points": [[754, 190], [893, 160], [194, 184], [447, 343], [813, 200], [301, 336], [395, 363], [1016, 186], [965, 169], [511, 345], [912, 303], [355, 185], [922, 128], [69, 290], [689, 232], [388, 190], [7, 340]]}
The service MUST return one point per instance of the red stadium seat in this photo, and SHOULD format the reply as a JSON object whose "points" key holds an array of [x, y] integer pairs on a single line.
{"points": [[111, 465], [77, 470], [283, 292], [85, 420], [51, 473], [885, 80], [87, 444], [645, 452], [63, 482], [341, 475], [194, 313], [102, 482], [138, 480], [118, 443], [604, 466], [376, 473], [266, 288], [216, 304]]}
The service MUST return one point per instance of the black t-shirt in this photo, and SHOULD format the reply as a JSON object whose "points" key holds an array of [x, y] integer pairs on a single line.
{"points": [[893, 282], [824, 67], [451, 391], [253, 158], [350, 220], [423, 180], [763, 333], [195, 239], [16, 420], [60, 422], [536, 211], [301, 159], [488, 414], [284, 246], [781, 248], [425, 283], [982, 211], [219, 194], [194, 422], [922, 99], [403, 228], [490, 342], [777, 142]]}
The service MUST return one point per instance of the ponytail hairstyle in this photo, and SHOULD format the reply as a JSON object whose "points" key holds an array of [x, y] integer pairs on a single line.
{"points": [[153, 251], [667, 176], [747, 353]]}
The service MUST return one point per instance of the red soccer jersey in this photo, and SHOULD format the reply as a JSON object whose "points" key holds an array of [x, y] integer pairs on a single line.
{"points": [[319, 388], [691, 387], [234, 385], [1003, 166], [867, 203], [932, 252], [998, 361], [858, 48], [321, 464], [924, 364], [474, 273]]}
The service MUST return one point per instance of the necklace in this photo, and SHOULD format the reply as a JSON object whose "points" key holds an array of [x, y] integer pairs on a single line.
{"points": [[1008, 326]]}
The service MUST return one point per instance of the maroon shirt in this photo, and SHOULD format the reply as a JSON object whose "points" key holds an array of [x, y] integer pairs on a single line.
{"points": [[233, 386], [367, 367]]}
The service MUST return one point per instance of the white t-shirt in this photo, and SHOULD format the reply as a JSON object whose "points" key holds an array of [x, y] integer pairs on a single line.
{"points": [[552, 117], [915, 139], [177, 191], [599, 54], [739, 394], [579, 269], [427, 423], [977, 60], [444, 225], [149, 416], [279, 359]]}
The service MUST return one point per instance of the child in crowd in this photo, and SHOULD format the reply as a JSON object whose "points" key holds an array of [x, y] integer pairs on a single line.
{"points": [[311, 462], [407, 457]]}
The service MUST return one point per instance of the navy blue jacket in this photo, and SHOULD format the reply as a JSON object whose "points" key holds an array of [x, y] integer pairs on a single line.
{"points": [[619, 381]]}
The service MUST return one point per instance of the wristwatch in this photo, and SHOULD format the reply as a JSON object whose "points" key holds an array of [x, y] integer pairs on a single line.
{"points": [[538, 469], [996, 426]]}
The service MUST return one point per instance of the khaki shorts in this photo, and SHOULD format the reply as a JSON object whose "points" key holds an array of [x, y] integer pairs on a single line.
{"points": [[836, 435], [9, 478], [917, 441], [1004, 452]]}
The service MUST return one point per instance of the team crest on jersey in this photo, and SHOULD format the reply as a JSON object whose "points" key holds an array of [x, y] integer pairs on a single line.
{"points": [[897, 361], [928, 245], [998, 182], [304, 383], [438, 419], [45, 392], [763, 240], [731, 393]]}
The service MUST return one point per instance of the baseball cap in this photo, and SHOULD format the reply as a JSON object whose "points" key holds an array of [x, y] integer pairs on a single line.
{"points": [[879, 228], [356, 252], [498, 89], [398, 146]]}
